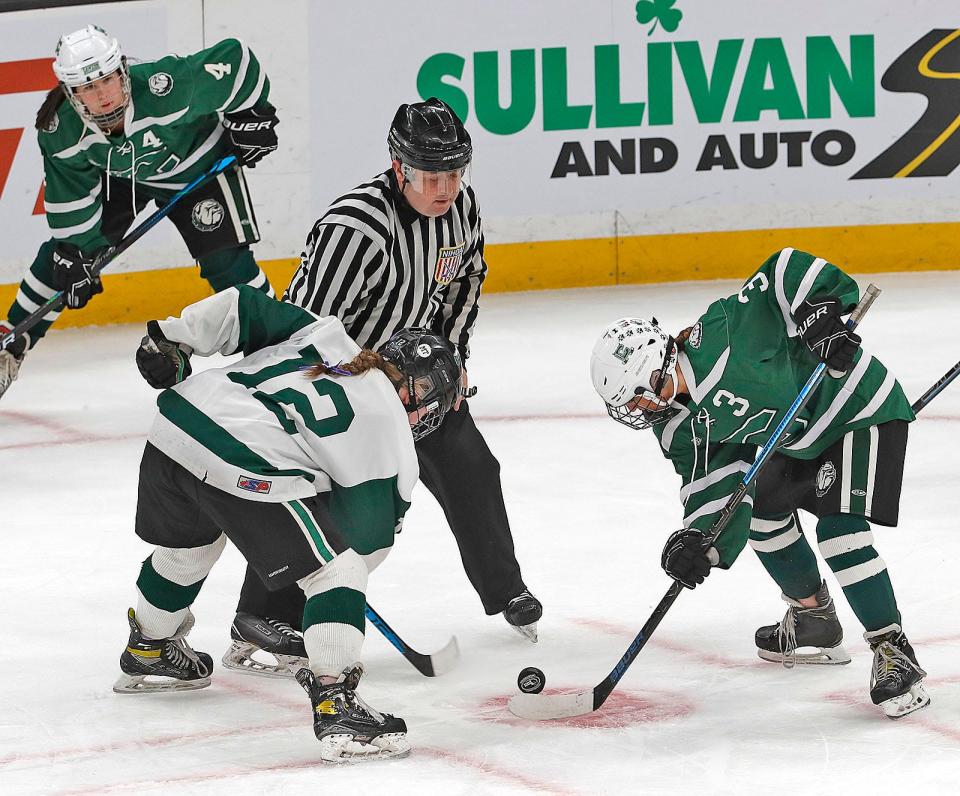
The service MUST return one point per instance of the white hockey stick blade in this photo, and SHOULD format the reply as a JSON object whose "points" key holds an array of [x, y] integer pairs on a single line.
{"points": [[446, 659], [540, 707]]}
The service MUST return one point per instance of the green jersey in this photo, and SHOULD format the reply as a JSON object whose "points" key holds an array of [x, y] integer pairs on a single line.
{"points": [[260, 429], [744, 365], [172, 133]]}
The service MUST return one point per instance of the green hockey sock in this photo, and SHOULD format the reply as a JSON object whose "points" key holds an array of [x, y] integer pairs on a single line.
{"points": [[786, 555], [231, 267], [846, 543]]}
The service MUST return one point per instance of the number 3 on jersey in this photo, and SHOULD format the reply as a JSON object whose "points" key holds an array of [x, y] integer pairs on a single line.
{"points": [[759, 281]]}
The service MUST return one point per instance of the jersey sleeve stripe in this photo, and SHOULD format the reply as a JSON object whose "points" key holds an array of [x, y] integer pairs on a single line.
{"points": [[879, 397], [815, 431], [77, 204], [77, 229], [711, 508], [241, 75], [806, 283], [783, 261], [708, 480]]}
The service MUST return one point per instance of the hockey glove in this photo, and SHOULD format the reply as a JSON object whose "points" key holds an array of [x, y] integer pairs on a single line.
{"points": [[73, 276], [826, 335], [686, 560], [252, 133], [162, 362]]}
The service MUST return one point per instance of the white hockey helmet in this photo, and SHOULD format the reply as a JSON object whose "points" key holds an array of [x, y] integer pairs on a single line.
{"points": [[633, 358], [85, 56]]}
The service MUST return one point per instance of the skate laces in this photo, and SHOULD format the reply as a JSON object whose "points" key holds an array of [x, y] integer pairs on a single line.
{"points": [[283, 628], [787, 637], [889, 663], [179, 650]]}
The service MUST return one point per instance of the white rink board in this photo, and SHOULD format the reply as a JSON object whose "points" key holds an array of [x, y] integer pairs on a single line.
{"points": [[339, 70]]}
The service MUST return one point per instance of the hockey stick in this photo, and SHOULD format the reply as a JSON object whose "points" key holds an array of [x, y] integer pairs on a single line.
{"points": [[437, 663], [57, 301], [559, 706], [936, 389]]}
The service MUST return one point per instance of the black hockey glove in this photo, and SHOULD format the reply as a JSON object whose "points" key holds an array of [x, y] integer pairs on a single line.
{"points": [[162, 362], [252, 133], [686, 560], [826, 335], [73, 276]]}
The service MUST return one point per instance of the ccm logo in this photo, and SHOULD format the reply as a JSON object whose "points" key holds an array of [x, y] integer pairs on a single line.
{"points": [[810, 320], [249, 127]]}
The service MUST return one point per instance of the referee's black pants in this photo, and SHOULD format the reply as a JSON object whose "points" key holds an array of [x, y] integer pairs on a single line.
{"points": [[464, 476]]}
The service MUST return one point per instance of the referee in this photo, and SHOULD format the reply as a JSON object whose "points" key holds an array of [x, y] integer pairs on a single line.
{"points": [[406, 249]]}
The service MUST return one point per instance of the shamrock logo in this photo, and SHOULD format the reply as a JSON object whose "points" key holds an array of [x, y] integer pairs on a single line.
{"points": [[661, 11]]}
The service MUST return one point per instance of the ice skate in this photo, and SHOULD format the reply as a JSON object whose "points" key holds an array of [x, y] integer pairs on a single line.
{"points": [[267, 638], [804, 635], [163, 664], [10, 360], [896, 677], [522, 614], [349, 730]]}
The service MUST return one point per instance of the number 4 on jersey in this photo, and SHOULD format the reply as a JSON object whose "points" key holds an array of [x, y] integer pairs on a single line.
{"points": [[218, 70]]}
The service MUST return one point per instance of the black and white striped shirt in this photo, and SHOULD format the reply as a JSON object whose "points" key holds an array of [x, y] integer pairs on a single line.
{"points": [[379, 266]]}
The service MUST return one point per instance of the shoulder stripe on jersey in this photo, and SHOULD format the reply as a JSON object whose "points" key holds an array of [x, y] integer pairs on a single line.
{"points": [[137, 125], [814, 432], [803, 290], [241, 75], [779, 272], [82, 145]]}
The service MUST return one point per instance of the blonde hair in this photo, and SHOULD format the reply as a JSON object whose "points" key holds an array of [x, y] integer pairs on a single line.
{"points": [[361, 363]]}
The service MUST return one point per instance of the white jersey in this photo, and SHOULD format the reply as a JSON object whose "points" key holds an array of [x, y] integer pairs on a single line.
{"points": [[261, 430]]}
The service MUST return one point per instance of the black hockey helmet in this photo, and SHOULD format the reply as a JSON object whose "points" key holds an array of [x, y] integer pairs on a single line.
{"points": [[431, 373], [429, 136]]}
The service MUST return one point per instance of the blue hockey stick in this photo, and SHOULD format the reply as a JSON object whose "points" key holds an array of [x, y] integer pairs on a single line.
{"points": [[57, 301], [428, 665], [559, 706]]}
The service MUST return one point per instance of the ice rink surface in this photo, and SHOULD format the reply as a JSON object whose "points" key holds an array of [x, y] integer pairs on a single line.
{"points": [[590, 503]]}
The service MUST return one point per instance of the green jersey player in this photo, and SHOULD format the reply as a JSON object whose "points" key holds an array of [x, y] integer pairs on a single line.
{"points": [[302, 455], [115, 137], [714, 394]]}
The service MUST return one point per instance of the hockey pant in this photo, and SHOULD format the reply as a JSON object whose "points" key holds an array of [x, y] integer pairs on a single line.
{"points": [[463, 475]]}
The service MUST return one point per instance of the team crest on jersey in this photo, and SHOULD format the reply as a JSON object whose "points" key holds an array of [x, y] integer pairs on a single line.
{"points": [[160, 84], [254, 485], [696, 335], [448, 263], [207, 215], [826, 475]]}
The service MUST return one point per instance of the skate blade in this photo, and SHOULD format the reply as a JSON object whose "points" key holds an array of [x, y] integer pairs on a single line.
{"points": [[529, 632], [915, 699], [139, 684], [824, 656], [240, 658], [340, 749]]}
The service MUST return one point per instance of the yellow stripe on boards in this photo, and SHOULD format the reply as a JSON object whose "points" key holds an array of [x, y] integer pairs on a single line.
{"points": [[545, 265]]}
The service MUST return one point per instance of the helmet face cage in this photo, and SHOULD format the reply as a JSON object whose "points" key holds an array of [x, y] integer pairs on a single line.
{"points": [[431, 373], [85, 57]]}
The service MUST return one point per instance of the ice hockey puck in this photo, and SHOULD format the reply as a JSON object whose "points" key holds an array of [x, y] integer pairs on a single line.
{"points": [[531, 680]]}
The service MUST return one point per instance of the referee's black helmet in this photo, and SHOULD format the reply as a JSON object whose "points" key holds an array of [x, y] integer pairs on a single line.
{"points": [[429, 136]]}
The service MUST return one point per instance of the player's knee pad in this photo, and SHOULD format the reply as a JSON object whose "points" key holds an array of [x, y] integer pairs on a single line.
{"points": [[187, 565], [347, 571]]}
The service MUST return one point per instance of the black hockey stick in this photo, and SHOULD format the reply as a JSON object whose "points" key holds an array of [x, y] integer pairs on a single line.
{"points": [[937, 388], [57, 301], [437, 663], [559, 706]]}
